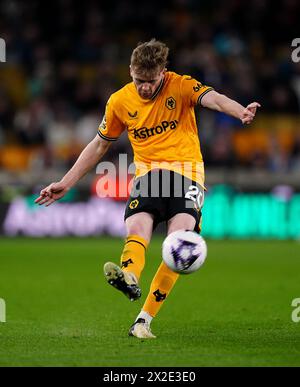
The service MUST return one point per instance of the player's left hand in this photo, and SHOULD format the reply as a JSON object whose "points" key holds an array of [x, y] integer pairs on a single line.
{"points": [[249, 112]]}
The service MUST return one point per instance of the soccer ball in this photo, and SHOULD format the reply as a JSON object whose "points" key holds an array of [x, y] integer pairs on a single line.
{"points": [[184, 251]]}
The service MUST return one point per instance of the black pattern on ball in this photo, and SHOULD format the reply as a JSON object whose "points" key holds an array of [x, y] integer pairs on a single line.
{"points": [[181, 263]]}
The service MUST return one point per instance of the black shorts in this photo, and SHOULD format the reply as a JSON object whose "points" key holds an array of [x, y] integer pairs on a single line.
{"points": [[163, 194]]}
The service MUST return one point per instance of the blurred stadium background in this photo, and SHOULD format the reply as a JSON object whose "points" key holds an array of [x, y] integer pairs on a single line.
{"points": [[63, 60]]}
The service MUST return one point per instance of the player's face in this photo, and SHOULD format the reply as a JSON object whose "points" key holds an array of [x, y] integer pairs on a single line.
{"points": [[146, 85]]}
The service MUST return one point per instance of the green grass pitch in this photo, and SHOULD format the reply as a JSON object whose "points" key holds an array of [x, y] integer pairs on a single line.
{"points": [[235, 311]]}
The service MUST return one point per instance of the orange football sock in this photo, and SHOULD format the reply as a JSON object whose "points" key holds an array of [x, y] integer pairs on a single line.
{"points": [[133, 256], [160, 288]]}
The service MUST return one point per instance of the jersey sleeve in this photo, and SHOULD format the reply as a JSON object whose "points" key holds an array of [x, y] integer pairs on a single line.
{"points": [[192, 90], [111, 126]]}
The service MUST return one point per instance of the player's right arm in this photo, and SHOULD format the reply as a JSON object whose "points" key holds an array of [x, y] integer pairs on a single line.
{"points": [[88, 158]]}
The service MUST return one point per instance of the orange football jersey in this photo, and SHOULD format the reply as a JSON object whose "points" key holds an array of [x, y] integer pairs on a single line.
{"points": [[162, 131]]}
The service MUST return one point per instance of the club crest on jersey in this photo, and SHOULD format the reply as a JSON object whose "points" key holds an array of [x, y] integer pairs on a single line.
{"points": [[144, 132], [170, 103], [133, 115]]}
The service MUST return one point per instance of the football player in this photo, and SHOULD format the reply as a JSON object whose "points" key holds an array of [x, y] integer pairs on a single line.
{"points": [[157, 111]]}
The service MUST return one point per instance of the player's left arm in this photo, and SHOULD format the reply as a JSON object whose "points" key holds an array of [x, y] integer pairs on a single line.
{"points": [[216, 101]]}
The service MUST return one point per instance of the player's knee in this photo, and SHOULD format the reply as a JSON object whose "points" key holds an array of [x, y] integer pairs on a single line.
{"points": [[181, 222], [138, 229], [140, 225]]}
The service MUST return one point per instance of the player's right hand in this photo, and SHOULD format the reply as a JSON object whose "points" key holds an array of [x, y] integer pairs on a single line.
{"points": [[50, 194]]}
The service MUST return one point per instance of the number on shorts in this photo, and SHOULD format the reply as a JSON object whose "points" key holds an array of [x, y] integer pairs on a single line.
{"points": [[196, 195]]}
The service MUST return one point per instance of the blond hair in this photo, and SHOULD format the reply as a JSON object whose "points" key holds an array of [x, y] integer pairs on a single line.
{"points": [[149, 57]]}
